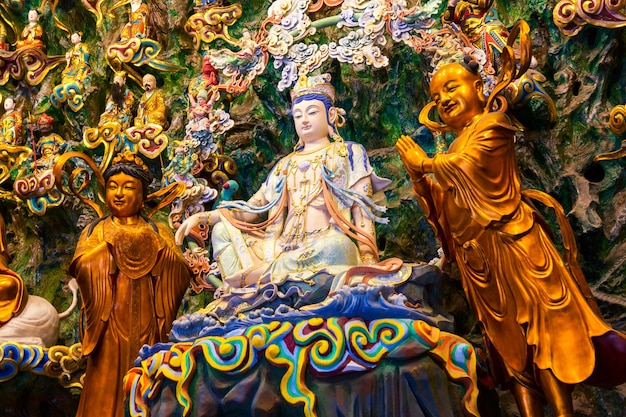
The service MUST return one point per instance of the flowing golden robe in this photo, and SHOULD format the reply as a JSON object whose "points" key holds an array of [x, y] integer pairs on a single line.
{"points": [[31, 37], [77, 68], [151, 109], [136, 27], [13, 295], [132, 280], [523, 293]]}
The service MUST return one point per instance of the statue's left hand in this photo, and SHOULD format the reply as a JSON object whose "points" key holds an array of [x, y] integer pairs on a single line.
{"points": [[186, 227], [412, 156]]}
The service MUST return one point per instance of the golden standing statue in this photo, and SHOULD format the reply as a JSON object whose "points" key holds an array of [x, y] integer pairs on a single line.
{"points": [[539, 320], [132, 278]]}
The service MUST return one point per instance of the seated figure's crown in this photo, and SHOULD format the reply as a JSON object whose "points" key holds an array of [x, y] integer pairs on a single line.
{"points": [[128, 157], [316, 84]]}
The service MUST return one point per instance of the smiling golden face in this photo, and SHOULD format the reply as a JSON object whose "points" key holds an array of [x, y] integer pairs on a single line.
{"points": [[458, 95], [124, 195]]}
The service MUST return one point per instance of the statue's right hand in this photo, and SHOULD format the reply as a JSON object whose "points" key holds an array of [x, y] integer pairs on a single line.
{"points": [[412, 156], [186, 227]]}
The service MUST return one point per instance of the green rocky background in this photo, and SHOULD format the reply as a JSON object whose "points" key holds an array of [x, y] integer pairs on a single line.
{"points": [[585, 76]]}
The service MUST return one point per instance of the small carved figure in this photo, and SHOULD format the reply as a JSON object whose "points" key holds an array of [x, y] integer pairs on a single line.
{"points": [[181, 164], [200, 116], [151, 105], [119, 104], [537, 314], [137, 26], [77, 57], [32, 33], [11, 123], [204, 81], [50, 145], [132, 278]]}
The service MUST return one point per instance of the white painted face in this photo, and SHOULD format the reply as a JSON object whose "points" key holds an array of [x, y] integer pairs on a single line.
{"points": [[149, 82], [33, 16], [75, 38], [310, 119], [9, 104]]}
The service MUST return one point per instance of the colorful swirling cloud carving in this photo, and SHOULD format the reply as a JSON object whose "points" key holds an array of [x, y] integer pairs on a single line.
{"points": [[62, 362], [326, 347]]}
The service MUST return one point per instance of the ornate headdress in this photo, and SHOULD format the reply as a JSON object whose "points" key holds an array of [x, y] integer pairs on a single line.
{"points": [[120, 74], [128, 157], [44, 119], [316, 84]]}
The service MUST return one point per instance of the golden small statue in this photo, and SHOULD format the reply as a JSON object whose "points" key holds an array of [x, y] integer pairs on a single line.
{"points": [[151, 108], [11, 123], [50, 145], [32, 33], [77, 57], [137, 25], [537, 314], [132, 278], [119, 105]]}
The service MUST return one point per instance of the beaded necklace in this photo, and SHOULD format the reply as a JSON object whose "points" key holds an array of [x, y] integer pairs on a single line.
{"points": [[303, 191]]}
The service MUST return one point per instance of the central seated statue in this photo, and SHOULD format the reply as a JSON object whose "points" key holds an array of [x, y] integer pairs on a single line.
{"points": [[308, 321], [318, 231]]}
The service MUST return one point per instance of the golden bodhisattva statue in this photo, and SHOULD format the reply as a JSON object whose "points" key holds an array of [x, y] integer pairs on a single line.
{"points": [[137, 25], [540, 323], [132, 278]]}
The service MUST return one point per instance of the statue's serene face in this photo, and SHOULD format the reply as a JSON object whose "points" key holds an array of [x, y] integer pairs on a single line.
{"points": [[457, 94], [310, 119], [75, 38], [124, 195]]}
